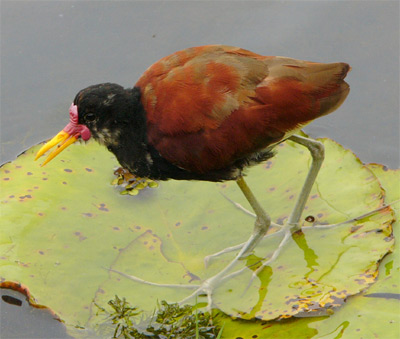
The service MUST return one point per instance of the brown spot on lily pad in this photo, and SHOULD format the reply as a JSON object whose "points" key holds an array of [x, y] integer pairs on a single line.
{"points": [[89, 215], [280, 220], [26, 197], [80, 236], [192, 276], [24, 264], [268, 164], [102, 207], [355, 228], [310, 218], [360, 281]]}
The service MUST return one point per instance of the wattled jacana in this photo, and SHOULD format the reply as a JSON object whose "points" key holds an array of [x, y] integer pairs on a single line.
{"points": [[207, 113]]}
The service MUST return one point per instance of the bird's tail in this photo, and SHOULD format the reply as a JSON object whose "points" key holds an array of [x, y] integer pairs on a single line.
{"points": [[327, 85]]}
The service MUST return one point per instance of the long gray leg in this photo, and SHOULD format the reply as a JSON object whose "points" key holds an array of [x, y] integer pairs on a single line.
{"points": [[262, 224], [263, 220], [317, 151]]}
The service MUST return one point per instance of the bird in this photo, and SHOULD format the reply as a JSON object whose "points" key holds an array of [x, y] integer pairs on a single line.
{"points": [[208, 113]]}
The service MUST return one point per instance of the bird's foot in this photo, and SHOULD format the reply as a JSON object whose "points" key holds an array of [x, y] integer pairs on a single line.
{"points": [[209, 258], [131, 183], [208, 286], [290, 229]]}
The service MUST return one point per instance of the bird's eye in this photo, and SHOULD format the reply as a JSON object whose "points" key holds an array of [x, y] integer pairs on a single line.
{"points": [[90, 117]]}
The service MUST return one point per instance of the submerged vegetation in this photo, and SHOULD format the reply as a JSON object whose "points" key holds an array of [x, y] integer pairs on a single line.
{"points": [[169, 321]]}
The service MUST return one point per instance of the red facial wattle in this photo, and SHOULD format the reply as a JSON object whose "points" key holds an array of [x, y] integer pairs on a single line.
{"points": [[70, 133], [73, 128]]}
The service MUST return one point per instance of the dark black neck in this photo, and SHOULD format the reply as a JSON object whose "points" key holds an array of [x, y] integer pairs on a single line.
{"points": [[131, 149]]}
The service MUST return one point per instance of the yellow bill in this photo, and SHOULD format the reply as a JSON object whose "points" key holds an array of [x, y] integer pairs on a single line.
{"points": [[63, 139], [71, 133]]}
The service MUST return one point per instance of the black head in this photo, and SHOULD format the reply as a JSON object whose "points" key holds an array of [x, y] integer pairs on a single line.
{"points": [[105, 109]]}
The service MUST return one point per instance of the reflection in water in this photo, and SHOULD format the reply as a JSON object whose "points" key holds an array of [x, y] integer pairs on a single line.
{"points": [[265, 276], [309, 255]]}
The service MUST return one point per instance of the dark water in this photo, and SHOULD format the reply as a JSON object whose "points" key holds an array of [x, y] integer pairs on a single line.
{"points": [[20, 320], [50, 50]]}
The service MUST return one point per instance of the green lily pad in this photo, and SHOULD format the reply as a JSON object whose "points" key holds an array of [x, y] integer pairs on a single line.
{"points": [[371, 314], [65, 224], [389, 271]]}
